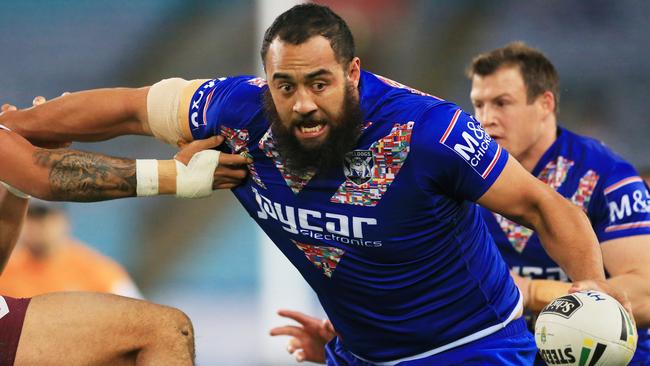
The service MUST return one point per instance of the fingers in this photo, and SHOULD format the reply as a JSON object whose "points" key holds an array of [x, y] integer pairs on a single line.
{"points": [[294, 347], [327, 324], [8, 107], [289, 330], [603, 286], [234, 159], [238, 173], [294, 344], [226, 177], [299, 355], [208, 143], [299, 317], [38, 100], [225, 184]]}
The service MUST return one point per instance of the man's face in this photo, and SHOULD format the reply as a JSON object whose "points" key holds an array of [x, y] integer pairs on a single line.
{"points": [[314, 103], [42, 235], [501, 105]]}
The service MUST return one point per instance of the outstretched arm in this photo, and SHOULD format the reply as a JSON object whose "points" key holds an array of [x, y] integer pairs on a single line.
{"points": [[72, 175], [101, 114], [92, 115]]}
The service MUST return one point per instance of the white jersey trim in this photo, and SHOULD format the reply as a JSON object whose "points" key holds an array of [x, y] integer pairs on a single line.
{"points": [[459, 342]]}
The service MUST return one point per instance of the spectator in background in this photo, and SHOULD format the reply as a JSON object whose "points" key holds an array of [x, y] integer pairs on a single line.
{"points": [[48, 259]]}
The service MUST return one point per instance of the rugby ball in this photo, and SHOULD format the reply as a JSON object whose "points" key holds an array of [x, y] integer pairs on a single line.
{"points": [[587, 328]]}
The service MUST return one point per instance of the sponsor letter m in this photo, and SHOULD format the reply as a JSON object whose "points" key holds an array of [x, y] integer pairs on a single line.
{"points": [[617, 213], [465, 150]]}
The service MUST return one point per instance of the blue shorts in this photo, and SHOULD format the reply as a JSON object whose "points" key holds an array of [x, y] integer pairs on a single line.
{"points": [[512, 345]]}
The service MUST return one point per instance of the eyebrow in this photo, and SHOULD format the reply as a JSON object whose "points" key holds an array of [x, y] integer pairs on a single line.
{"points": [[506, 94], [317, 73], [311, 75]]}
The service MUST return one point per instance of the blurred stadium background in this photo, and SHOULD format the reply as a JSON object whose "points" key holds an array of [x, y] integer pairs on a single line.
{"points": [[204, 256]]}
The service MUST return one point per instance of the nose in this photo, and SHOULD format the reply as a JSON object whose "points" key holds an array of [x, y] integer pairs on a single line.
{"points": [[486, 116], [304, 104]]}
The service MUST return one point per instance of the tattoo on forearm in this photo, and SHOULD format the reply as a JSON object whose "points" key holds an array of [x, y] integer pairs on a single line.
{"points": [[81, 176]]}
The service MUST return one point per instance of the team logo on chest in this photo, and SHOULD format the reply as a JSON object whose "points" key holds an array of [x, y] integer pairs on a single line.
{"points": [[358, 166], [371, 172]]}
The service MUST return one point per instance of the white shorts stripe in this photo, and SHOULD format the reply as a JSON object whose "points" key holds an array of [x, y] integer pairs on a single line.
{"points": [[459, 342]]}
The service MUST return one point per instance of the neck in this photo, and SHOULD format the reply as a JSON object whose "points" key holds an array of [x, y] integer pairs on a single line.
{"points": [[529, 158]]}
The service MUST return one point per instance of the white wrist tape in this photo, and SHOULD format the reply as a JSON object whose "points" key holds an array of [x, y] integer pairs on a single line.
{"points": [[146, 175], [14, 191], [195, 179]]}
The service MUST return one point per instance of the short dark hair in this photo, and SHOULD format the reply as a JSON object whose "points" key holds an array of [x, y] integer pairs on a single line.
{"points": [[536, 69], [300, 23]]}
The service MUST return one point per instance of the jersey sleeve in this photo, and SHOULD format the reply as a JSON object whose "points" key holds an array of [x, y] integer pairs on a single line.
{"points": [[456, 156], [623, 206], [223, 106]]}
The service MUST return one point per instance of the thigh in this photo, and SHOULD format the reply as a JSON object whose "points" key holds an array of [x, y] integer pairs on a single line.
{"points": [[78, 328]]}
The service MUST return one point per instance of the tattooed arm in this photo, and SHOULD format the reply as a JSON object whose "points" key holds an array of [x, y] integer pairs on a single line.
{"points": [[82, 176], [72, 175], [64, 175]]}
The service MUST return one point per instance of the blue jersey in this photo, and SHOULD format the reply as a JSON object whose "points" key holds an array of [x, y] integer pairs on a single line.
{"points": [[606, 187], [391, 242]]}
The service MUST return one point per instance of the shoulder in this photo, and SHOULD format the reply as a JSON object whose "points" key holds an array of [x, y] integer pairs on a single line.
{"points": [[444, 125], [228, 102], [382, 97], [602, 159]]}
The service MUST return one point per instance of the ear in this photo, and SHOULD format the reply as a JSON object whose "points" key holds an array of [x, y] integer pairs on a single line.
{"points": [[547, 102], [354, 71]]}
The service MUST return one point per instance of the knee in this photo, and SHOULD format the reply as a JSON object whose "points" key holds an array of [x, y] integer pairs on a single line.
{"points": [[182, 323], [178, 329]]}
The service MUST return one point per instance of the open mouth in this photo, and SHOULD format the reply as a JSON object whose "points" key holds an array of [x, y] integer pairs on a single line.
{"points": [[311, 129]]}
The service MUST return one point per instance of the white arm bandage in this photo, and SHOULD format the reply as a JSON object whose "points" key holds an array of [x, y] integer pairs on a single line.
{"points": [[163, 102], [195, 179], [168, 106], [146, 176]]}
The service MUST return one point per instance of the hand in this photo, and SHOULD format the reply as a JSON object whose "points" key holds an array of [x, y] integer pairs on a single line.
{"points": [[605, 287], [523, 283], [307, 342], [231, 170], [44, 144]]}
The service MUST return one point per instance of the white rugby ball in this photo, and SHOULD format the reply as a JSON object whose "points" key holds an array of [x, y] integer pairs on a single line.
{"points": [[586, 328]]}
